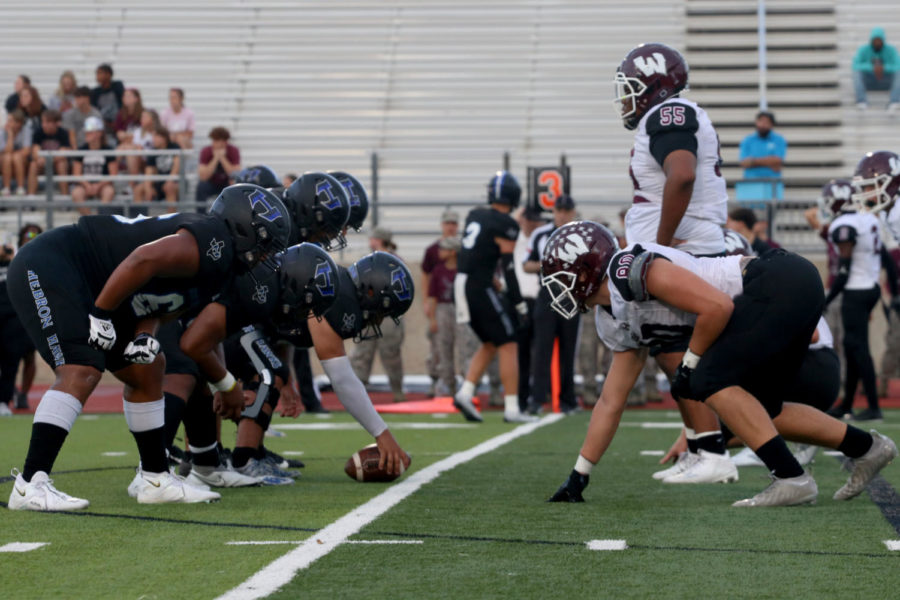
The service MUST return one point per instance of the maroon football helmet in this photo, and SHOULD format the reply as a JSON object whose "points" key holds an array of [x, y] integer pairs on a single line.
{"points": [[876, 181], [737, 245], [649, 74], [836, 198], [574, 263]]}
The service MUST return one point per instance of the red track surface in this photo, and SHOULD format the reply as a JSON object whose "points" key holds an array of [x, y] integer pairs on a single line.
{"points": [[107, 398]]}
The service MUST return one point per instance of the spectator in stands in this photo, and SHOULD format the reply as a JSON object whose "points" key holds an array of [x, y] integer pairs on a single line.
{"points": [[141, 139], [64, 98], [12, 101], [431, 259], [74, 118], [15, 146], [50, 136], [129, 117], [762, 156], [160, 165], [743, 221], [876, 66], [288, 179], [107, 96], [30, 103], [94, 166], [179, 119], [217, 162], [388, 345]]}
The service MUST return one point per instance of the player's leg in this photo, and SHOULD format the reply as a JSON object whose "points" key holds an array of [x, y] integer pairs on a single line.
{"points": [[856, 337]]}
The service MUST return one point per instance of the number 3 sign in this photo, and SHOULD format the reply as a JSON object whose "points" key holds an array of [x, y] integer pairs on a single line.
{"points": [[546, 184]]}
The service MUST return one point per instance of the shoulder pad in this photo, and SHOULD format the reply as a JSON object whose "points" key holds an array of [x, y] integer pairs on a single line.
{"points": [[628, 272], [843, 233]]}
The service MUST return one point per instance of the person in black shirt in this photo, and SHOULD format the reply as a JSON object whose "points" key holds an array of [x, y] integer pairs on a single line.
{"points": [[160, 165], [489, 239], [107, 98], [93, 167], [50, 136], [90, 296]]}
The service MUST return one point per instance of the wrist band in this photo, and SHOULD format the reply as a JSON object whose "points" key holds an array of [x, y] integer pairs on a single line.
{"points": [[101, 313], [226, 384], [690, 359]]}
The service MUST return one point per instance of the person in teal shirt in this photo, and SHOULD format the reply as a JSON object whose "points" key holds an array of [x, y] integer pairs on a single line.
{"points": [[876, 66], [762, 156]]}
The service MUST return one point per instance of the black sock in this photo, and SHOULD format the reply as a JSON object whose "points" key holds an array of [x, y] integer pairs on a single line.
{"points": [[692, 446], [174, 414], [207, 458], [856, 442], [152, 448], [200, 422], [241, 455], [46, 442], [778, 458], [711, 441]]}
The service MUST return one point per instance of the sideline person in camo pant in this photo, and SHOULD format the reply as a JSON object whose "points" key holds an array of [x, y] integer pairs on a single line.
{"points": [[388, 345], [449, 228], [442, 320]]}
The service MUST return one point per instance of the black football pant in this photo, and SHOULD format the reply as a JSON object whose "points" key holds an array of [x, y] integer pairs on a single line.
{"points": [[855, 310], [548, 324], [15, 344], [524, 342]]}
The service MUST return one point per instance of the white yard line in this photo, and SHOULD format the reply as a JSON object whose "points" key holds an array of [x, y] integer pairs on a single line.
{"points": [[22, 546], [606, 545], [279, 572], [892, 545]]}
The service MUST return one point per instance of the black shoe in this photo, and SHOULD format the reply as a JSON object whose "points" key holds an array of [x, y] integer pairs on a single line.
{"points": [[282, 462], [869, 414], [838, 412], [571, 490]]}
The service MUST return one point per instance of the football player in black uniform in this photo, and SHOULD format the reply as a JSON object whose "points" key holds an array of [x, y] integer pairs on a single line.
{"points": [[260, 175], [376, 287], [489, 239], [89, 296], [305, 283], [320, 208]]}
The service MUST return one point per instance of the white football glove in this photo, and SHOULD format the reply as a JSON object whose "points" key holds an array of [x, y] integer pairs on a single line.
{"points": [[142, 350], [103, 333]]}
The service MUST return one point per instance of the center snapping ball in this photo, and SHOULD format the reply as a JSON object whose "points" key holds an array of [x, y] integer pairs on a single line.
{"points": [[363, 466]]}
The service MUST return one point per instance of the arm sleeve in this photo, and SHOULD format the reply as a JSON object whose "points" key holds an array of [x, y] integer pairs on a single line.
{"points": [[352, 394], [672, 127], [890, 268], [840, 281], [509, 274]]}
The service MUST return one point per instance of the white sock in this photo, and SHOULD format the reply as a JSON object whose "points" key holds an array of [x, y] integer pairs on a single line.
{"points": [[511, 404], [58, 408], [467, 390], [145, 416], [583, 465]]}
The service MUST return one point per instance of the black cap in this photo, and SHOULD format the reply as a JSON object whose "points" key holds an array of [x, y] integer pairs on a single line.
{"points": [[533, 214], [565, 202], [765, 113]]}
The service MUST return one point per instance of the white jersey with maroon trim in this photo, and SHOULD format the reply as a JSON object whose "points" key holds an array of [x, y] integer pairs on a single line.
{"points": [[862, 230], [709, 200]]}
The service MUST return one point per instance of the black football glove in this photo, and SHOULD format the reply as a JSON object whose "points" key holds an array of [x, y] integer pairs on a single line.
{"points": [[681, 382], [571, 490]]}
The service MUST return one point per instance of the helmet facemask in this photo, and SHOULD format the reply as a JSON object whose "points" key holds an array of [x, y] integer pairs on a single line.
{"points": [[875, 199], [627, 90], [560, 285]]}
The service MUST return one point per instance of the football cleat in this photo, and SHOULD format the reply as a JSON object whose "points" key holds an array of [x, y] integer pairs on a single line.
{"points": [[871, 415], [789, 491], [518, 417], [747, 458], [571, 490], [867, 466], [265, 472], [40, 495], [221, 477], [708, 468], [165, 488], [468, 410], [685, 460], [282, 462]]}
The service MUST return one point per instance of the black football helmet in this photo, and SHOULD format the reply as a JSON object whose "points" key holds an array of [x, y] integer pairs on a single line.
{"points": [[257, 220], [384, 288], [359, 199], [876, 181], [504, 188], [836, 198], [308, 282], [260, 175], [574, 264], [648, 75], [319, 208]]}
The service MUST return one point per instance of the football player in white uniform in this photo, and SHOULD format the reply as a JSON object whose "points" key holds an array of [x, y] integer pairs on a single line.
{"points": [[753, 319]]}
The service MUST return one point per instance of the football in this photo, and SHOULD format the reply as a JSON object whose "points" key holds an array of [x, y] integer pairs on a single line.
{"points": [[363, 466]]}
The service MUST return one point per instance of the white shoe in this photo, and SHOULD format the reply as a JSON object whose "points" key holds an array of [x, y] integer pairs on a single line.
{"points": [[5, 410], [747, 458], [708, 468], [5, 192], [220, 477], [20, 191], [684, 461], [790, 491], [518, 417], [161, 488], [867, 466], [468, 410], [39, 494], [805, 453]]}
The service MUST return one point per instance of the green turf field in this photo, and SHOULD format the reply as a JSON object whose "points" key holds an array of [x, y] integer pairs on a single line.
{"points": [[484, 528]]}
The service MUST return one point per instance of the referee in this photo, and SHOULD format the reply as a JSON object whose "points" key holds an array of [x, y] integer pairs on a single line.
{"points": [[548, 324]]}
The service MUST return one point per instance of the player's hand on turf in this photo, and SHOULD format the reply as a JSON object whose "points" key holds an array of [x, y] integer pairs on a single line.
{"points": [[681, 382], [102, 334], [393, 457], [290, 405], [142, 350], [571, 490], [678, 446], [230, 404]]}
